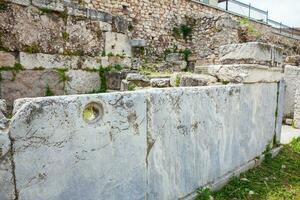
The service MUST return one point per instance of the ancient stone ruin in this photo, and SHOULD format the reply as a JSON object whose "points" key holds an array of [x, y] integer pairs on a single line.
{"points": [[133, 101]]}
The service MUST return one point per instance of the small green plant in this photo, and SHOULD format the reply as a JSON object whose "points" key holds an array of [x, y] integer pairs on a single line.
{"points": [[250, 30], [110, 54], [103, 54], [49, 92], [3, 5], [184, 31], [186, 53], [225, 82], [204, 194], [45, 10], [177, 81], [63, 77], [65, 35], [39, 68], [64, 15], [131, 86], [33, 48]]}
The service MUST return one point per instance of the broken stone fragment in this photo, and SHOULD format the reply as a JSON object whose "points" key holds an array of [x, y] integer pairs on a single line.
{"points": [[245, 73], [117, 44], [197, 80], [137, 80], [288, 121], [160, 82], [251, 53], [138, 43]]}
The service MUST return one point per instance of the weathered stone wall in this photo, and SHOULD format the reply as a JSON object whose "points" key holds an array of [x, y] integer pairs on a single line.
{"points": [[155, 20], [159, 143]]}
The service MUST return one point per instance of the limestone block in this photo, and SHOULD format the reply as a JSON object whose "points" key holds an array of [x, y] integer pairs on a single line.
{"points": [[178, 65], [87, 62], [293, 60], [82, 82], [101, 156], [21, 2], [47, 61], [124, 62], [75, 10], [201, 69], [245, 73], [297, 109], [114, 80], [56, 5], [99, 15], [105, 27], [288, 121], [171, 57], [291, 77], [197, 80], [251, 53], [136, 77], [160, 82], [138, 43], [7, 59], [30, 83], [117, 43], [213, 131], [119, 25]]}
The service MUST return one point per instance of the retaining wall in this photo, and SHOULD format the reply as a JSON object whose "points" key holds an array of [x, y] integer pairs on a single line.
{"points": [[155, 144]]}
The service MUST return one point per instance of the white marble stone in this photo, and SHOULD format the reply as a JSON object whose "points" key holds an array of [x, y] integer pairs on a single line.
{"points": [[58, 155], [245, 73], [297, 109], [291, 77], [251, 52], [117, 43]]}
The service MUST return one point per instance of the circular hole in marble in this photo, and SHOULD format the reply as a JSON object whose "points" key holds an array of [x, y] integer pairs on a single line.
{"points": [[92, 112]]}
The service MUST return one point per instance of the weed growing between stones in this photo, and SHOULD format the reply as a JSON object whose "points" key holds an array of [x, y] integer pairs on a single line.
{"points": [[49, 92], [183, 31], [63, 77], [131, 86], [33, 48], [65, 36], [248, 30], [15, 69], [204, 194], [177, 81]]}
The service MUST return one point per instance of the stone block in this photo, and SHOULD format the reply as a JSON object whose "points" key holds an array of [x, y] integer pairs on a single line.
{"points": [[87, 157], [81, 82], [99, 15], [47, 61], [114, 80], [251, 53], [29, 83], [291, 77], [201, 69], [119, 25], [7, 59], [293, 60], [245, 73], [56, 5], [196, 80], [117, 43], [75, 10], [280, 109], [217, 128], [173, 57], [87, 62], [138, 80], [160, 82], [138, 43], [21, 2], [297, 109], [288, 121], [124, 62]]}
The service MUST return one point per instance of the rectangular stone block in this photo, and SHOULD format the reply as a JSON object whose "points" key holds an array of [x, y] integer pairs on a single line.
{"points": [[297, 108], [251, 53], [117, 43], [245, 73], [7, 59], [56, 5], [197, 135], [81, 147], [21, 2], [291, 77], [48, 61], [81, 82]]}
